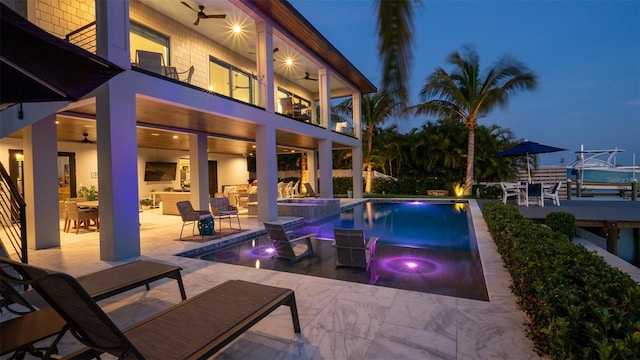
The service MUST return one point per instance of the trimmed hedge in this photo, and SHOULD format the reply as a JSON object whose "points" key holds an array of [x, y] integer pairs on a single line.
{"points": [[578, 306]]}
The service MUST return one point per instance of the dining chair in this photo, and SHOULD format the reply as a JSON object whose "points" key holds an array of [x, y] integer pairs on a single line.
{"points": [[534, 190], [80, 216]]}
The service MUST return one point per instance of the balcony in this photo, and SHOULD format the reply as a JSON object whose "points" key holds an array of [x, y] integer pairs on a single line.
{"points": [[222, 55]]}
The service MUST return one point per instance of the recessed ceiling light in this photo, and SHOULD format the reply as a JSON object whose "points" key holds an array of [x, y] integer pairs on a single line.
{"points": [[175, 136], [237, 29], [155, 134], [253, 146], [288, 61]]}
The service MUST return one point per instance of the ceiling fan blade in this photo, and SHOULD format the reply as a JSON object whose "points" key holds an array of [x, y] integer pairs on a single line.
{"points": [[189, 6], [216, 16], [197, 21]]}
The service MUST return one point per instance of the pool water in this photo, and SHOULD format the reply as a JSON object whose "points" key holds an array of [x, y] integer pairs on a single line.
{"points": [[423, 246]]}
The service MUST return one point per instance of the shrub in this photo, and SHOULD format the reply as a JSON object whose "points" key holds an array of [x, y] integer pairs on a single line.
{"points": [[578, 306], [488, 192], [562, 222], [342, 184], [384, 186]]}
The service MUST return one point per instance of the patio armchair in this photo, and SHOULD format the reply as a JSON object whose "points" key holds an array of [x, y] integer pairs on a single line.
{"points": [[553, 193], [149, 60], [220, 209], [509, 190], [292, 249], [353, 251], [189, 73], [192, 217]]}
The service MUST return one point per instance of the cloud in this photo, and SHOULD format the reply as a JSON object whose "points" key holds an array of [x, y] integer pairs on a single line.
{"points": [[635, 102]]}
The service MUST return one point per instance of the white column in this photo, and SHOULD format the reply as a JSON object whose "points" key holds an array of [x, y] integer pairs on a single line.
{"points": [[325, 98], [267, 172], [117, 141], [325, 160], [40, 189], [264, 63], [199, 171], [312, 171], [356, 156]]}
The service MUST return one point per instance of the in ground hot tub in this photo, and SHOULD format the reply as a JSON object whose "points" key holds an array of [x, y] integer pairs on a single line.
{"points": [[308, 208]]}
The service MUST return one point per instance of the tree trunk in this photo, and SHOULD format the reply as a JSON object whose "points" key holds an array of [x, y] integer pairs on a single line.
{"points": [[367, 187], [468, 181]]}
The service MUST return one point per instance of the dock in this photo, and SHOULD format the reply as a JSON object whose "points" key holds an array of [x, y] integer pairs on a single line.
{"points": [[609, 215]]}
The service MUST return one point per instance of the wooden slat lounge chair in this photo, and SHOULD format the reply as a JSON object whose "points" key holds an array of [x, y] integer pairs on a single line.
{"points": [[99, 285], [292, 249], [310, 192], [352, 250], [194, 329]]}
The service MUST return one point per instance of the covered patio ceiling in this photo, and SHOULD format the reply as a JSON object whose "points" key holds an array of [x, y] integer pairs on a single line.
{"points": [[166, 126]]}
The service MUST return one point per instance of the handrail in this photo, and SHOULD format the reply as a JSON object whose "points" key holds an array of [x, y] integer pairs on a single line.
{"points": [[84, 37], [13, 215]]}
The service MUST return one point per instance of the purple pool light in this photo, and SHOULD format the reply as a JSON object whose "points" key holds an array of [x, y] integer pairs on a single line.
{"points": [[409, 265], [262, 251]]}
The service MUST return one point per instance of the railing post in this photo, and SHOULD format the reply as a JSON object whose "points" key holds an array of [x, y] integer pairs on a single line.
{"points": [[634, 191], [569, 190]]}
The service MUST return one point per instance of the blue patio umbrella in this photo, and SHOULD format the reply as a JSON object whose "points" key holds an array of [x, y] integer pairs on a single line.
{"points": [[527, 148]]}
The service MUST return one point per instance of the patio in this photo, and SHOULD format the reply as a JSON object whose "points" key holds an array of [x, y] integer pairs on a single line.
{"points": [[339, 320]]}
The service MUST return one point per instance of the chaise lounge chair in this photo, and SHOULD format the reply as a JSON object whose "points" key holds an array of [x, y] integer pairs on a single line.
{"points": [[194, 329], [353, 251], [310, 192], [289, 248], [15, 334]]}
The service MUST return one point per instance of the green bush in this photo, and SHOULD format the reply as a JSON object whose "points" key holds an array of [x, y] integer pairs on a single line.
{"points": [[578, 306], [384, 186], [562, 222], [342, 184]]}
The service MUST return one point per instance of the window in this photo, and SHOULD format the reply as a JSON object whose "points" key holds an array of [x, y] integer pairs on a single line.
{"points": [[227, 80], [143, 38]]}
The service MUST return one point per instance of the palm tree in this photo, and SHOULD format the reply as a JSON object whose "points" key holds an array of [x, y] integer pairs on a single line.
{"points": [[376, 109], [395, 41], [468, 95]]}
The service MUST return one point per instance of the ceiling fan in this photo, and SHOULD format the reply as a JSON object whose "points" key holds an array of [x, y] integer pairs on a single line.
{"points": [[86, 139], [202, 15], [307, 76]]}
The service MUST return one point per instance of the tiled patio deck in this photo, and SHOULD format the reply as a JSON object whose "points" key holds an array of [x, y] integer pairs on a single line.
{"points": [[339, 320]]}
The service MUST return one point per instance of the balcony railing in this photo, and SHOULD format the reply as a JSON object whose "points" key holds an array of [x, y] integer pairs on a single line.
{"points": [[84, 37]]}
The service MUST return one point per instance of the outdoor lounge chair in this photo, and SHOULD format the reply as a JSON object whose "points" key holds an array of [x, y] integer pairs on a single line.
{"points": [[39, 321], [292, 249], [310, 191], [192, 217], [352, 250], [220, 209], [194, 329], [553, 193]]}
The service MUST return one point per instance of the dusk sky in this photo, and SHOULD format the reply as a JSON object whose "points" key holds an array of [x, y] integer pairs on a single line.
{"points": [[586, 55]]}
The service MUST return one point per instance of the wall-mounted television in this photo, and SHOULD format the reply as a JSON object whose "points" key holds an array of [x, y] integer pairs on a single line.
{"points": [[160, 171]]}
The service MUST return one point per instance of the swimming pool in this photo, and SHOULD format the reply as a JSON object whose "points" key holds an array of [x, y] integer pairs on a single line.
{"points": [[436, 238]]}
